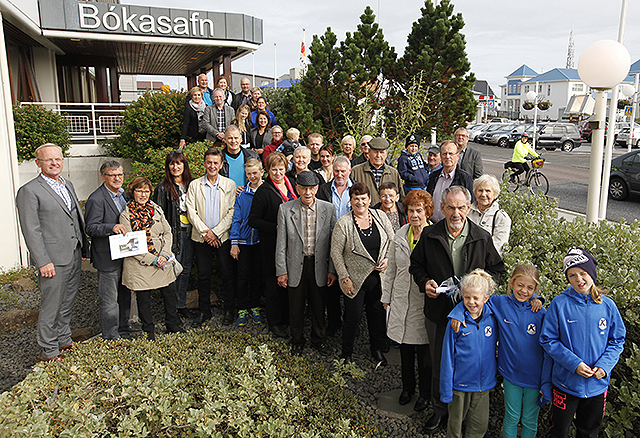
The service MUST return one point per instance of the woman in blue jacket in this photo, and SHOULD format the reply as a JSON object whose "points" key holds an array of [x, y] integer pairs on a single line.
{"points": [[584, 334]]}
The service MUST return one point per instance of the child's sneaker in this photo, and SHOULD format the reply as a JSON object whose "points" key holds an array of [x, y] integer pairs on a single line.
{"points": [[242, 318], [257, 317]]}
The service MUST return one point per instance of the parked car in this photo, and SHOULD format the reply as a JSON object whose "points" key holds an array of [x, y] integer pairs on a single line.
{"points": [[516, 133], [625, 175], [558, 135], [493, 127], [500, 136], [585, 130], [473, 133], [623, 136]]}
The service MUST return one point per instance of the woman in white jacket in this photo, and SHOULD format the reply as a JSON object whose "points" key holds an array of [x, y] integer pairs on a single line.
{"points": [[486, 212], [405, 303]]}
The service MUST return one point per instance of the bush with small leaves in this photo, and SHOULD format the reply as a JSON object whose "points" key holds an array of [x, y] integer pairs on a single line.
{"points": [[35, 126]]}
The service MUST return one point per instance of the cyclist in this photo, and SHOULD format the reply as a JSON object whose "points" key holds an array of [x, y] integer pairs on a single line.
{"points": [[519, 158]]}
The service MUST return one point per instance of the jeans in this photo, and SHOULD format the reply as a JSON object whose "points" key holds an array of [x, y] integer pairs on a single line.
{"points": [[111, 293], [186, 260]]}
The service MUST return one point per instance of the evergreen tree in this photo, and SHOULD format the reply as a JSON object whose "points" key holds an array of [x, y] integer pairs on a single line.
{"points": [[298, 112], [436, 47]]}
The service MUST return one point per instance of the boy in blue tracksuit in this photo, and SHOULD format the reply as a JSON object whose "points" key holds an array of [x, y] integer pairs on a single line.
{"points": [[411, 166], [584, 334], [245, 247], [468, 365]]}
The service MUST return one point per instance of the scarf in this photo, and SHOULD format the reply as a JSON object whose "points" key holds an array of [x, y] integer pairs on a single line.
{"points": [[289, 188], [141, 216], [199, 109]]}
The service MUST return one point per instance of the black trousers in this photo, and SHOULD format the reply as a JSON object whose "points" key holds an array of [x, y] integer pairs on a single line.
{"points": [[307, 290], [589, 413], [227, 267], [435, 332], [367, 297], [333, 306], [171, 318], [124, 306], [249, 265], [520, 168], [408, 354]]}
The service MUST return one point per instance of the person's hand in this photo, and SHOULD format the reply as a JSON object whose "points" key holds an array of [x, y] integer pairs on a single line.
{"points": [[599, 373], [182, 144], [235, 251], [455, 324], [331, 278], [536, 305], [584, 370], [259, 151], [211, 238], [239, 190], [220, 136], [385, 306], [162, 260], [119, 229], [48, 270], [347, 287], [283, 280], [430, 288], [382, 266]]}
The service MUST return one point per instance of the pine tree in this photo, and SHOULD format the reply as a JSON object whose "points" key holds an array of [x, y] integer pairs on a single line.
{"points": [[436, 47]]}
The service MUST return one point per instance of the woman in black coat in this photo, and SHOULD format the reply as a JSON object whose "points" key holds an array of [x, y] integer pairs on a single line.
{"points": [[263, 216], [193, 111]]}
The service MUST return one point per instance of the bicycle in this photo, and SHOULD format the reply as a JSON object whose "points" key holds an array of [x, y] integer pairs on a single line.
{"points": [[534, 181]]}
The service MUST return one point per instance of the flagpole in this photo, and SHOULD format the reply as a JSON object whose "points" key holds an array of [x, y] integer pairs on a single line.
{"points": [[275, 68]]}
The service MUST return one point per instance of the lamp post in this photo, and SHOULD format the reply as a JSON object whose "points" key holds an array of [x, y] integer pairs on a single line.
{"points": [[532, 96], [602, 66], [632, 92]]}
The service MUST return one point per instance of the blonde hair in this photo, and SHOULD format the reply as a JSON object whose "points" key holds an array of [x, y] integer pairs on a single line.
{"points": [[36, 153], [478, 279], [252, 162], [524, 270], [596, 293], [194, 89], [293, 133]]}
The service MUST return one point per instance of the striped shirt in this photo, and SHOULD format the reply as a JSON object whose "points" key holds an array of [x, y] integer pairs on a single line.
{"points": [[60, 187], [309, 227]]}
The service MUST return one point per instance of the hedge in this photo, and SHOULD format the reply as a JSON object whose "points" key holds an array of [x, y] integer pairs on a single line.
{"points": [[35, 126]]}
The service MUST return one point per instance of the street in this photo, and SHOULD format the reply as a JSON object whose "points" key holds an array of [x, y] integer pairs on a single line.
{"points": [[568, 174]]}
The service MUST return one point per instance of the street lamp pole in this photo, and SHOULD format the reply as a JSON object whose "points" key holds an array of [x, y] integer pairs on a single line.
{"points": [[533, 97], [634, 101]]}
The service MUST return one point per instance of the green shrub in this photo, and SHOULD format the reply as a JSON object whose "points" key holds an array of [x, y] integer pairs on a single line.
{"points": [[35, 126], [539, 238], [202, 384], [154, 121]]}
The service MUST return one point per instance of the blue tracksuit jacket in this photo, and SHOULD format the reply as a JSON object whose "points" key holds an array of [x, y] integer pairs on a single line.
{"points": [[576, 329], [412, 170], [469, 357], [241, 233]]}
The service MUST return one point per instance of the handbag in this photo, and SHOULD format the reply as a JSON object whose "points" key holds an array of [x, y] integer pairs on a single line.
{"points": [[177, 268]]}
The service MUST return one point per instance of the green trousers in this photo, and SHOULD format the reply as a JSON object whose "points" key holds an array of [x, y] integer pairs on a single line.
{"points": [[472, 409]]}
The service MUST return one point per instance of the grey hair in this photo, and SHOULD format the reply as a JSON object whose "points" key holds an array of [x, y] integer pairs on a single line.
{"points": [[348, 137], [366, 138], [301, 149], [456, 189], [109, 165], [218, 89], [231, 128], [341, 159], [487, 179]]}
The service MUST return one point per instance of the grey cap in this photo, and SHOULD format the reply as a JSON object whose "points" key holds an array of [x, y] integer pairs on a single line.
{"points": [[433, 149], [379, 144], [306, 179]]}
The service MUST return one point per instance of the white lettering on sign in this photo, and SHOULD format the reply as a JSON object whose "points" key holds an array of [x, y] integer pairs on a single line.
{"points": [[126, 22]]}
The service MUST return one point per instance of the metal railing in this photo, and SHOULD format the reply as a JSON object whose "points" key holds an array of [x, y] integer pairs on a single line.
{"points": [[88, 122]]}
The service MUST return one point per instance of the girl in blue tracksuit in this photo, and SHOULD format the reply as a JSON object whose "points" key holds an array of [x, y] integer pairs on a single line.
{"points": [[584, 334], [412, 167], [521, 360], [468, 365]]}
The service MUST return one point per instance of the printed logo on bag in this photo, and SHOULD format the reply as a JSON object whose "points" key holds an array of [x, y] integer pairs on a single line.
{"points": [[531, 329], [602, 324], [488, 331]]}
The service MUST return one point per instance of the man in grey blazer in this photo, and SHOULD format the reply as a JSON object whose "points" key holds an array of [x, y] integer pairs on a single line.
{"points": [[102, 213], [303, 264], [217, 118], [470, 159], [53, 228]]}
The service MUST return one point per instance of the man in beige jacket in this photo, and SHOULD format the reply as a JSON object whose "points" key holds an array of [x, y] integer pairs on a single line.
{"points": [[210, 201]]}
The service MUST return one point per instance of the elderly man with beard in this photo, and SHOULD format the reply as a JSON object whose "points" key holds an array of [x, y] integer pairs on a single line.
{"points": [[452, 247]]}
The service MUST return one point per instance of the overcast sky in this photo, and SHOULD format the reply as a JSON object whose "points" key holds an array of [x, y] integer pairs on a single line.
{"points": [[501, 35]]}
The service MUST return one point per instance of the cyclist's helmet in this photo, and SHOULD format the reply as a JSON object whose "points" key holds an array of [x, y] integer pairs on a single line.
{"points": [[524, 134]]}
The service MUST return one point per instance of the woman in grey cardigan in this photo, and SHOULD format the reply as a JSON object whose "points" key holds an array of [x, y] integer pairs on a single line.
{"points": [[359, 247], [486, 212]]}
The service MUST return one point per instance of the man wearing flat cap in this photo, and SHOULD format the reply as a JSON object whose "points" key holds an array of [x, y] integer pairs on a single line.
{"points": [[303, 264], [375, 172]]}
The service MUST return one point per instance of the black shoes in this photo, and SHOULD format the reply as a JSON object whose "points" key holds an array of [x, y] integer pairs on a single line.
{"points": [[201, 319], [187, 313], [405, 397], [379, 358], [279, 331], [296, 350], [323, 349], [177, 330], [421, 404], [229, 317], [332, 329], [433, 423]]}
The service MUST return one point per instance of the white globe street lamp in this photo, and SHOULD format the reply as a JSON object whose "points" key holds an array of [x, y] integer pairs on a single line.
{"points": [[602, 65], [532, 96]]}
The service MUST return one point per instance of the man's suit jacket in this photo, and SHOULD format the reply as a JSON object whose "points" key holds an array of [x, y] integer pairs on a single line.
{"points": [[290, 241], [197, 206], [471, 162], [47, 223], [101, 214], [209, 122]]}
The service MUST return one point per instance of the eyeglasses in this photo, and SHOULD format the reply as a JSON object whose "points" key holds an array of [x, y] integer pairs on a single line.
{"points": [[142, 192], [364, 143], [51, 160], [114, 175]]}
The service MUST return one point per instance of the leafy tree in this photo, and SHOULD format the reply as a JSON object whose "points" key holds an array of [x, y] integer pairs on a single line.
{"points": [[436, 47], [298, 112], [35, 126]]}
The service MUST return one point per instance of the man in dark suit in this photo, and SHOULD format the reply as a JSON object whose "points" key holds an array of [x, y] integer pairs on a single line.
{"points": [[303, 264], [102, 213], [53, 228], [470, 159], [244, 97]]}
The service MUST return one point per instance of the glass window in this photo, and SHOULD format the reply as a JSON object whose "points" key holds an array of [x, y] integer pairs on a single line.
{"points": [[526, 88], [548, 90], [577, 87]]}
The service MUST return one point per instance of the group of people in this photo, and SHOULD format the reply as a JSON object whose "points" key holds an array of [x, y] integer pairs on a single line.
{"points": [[417, 248]]}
